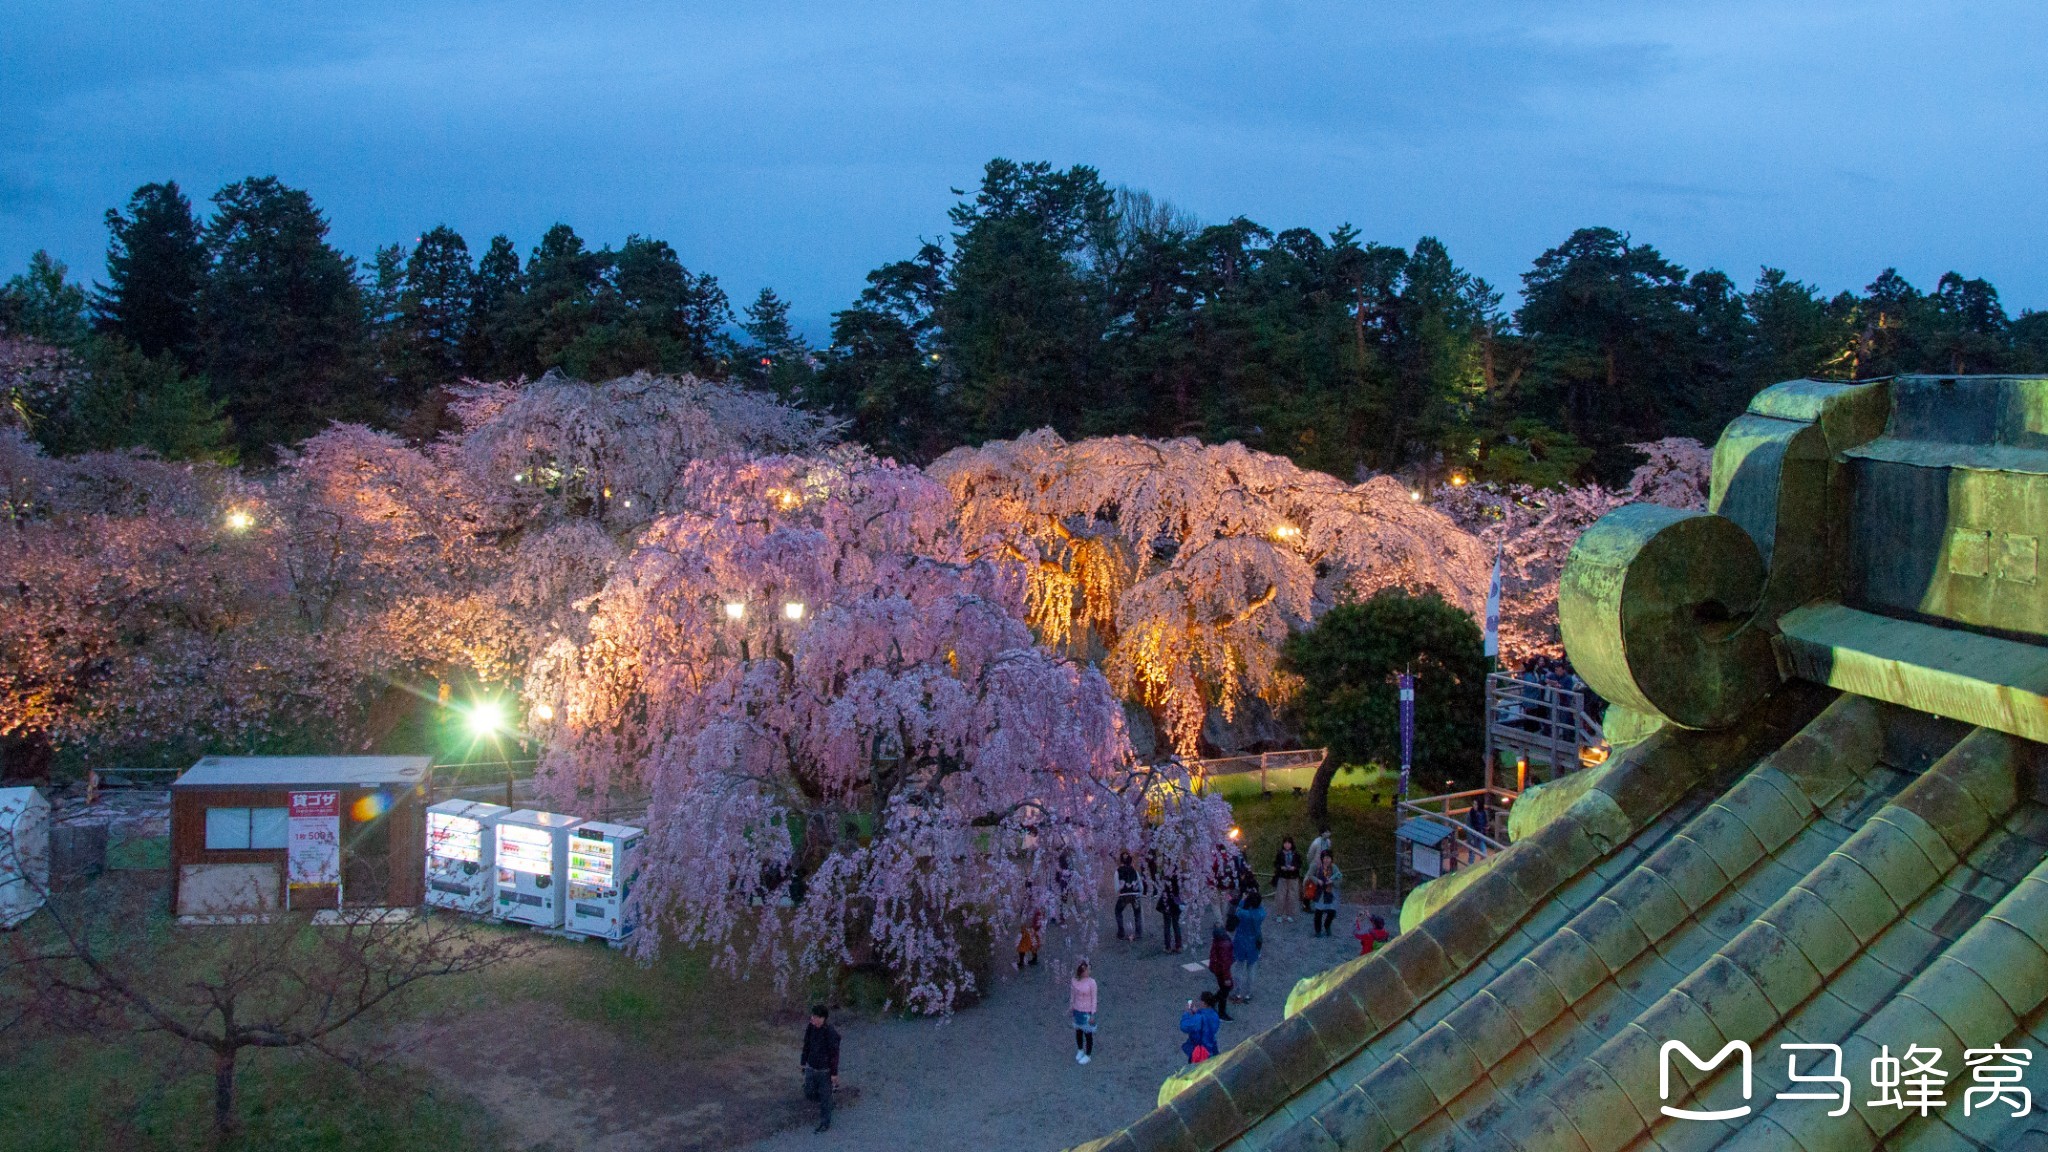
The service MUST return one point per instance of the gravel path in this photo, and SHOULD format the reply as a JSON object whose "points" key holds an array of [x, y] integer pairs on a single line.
{"points": [[1002, 1074]]}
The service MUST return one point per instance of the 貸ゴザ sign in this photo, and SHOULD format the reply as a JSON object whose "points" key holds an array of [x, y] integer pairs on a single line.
{"points": [[313, 838]]}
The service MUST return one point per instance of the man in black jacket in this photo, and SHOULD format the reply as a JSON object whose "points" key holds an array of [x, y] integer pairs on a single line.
{"points": [[821, 1064]]}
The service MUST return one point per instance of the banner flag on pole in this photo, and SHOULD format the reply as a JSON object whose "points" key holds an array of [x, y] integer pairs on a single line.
{"points": [[1407, 683], [1493, 606]]}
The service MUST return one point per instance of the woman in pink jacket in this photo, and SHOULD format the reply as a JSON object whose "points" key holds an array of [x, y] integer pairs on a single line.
{"points": [[1081, 1002]]}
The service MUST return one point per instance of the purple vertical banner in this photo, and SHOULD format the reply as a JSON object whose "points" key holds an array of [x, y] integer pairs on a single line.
{"points": [[1407, 683]]}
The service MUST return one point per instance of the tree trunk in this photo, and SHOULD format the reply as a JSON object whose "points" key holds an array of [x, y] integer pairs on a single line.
{"points": [[223, 1096], [1319, 793]]}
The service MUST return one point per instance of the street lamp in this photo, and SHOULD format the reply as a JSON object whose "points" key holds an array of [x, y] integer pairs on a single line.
{"points": [[240, 521], [793, 611], [486, 718], [544, 711], [735, 611]]}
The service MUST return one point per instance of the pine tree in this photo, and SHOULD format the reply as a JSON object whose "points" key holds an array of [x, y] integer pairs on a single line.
{"points": [[156, 263], [43, 304], [281, 319], [497, 293], [433, 311]]}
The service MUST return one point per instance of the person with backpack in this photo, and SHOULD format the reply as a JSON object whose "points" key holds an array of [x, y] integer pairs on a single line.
{"points": [[1220, 959], [1368, 937], [1081, 1004], [1245, 944], [1200, 1024], [1129, 887], [1322, 881], [1287, 869]]}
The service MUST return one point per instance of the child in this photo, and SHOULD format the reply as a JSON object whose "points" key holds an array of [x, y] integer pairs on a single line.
{"points": [[1027, 942], [1369, 936]]}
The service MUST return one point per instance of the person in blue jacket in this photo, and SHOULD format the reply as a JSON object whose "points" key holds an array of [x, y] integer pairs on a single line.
{"points": [[1245, 944], [1200, 1024]]}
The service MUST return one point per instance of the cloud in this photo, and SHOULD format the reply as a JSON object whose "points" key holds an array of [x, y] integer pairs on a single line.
{"points": [[800, 145]]}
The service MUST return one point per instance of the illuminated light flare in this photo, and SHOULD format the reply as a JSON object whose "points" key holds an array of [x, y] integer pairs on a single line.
{"points": [[486, 718], [794, 610]]}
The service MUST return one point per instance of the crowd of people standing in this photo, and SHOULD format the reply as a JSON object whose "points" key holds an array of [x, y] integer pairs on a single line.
{"points": [[1242, 904]]}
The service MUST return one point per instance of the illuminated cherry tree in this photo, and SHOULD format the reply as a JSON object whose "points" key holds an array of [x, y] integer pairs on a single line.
{"points": [[1184, 565], [143, 605], [157, 602], [1538, 527], [824, 689]]}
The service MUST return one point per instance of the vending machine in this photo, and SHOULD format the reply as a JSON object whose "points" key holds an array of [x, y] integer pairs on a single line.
{"points": [[533, 867], [604, 860], [462, 853]]}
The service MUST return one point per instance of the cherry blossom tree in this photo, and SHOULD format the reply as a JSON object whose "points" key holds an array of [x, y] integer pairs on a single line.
{"points": [[1534, 530], [143, 605], [822, 686], [1186, 565]]}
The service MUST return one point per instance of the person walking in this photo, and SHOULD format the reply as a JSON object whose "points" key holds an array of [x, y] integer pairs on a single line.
{"points": [[821, 1064], [1169, 913], [1200, 1024], [1129, 888], [1287, 869], [1323, 907], [1081, 1003], [1245, 945], [1318, 846], [1220, 959]]}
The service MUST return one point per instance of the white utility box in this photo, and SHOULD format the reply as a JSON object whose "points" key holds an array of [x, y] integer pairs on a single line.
{"points": [[604, 860], [462, 855], [24, 853], [533, 867]]}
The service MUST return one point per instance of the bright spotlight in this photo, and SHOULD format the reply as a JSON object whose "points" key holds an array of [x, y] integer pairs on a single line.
{"points": [[1415, 495], [794, 610], [544, 711], [486, 718], [735, 610], [240, 521]]}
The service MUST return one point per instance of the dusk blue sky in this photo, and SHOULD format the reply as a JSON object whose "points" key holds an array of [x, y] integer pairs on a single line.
{"points": [[800, 145]]}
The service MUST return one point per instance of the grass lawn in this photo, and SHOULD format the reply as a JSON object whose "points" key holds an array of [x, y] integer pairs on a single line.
{"points": [[150, 1093], [1361, 828], [147, 1093]]}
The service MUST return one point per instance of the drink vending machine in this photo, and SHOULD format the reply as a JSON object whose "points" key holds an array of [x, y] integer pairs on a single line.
{"points": [[604, 860], [533, 867], [462, 855]]}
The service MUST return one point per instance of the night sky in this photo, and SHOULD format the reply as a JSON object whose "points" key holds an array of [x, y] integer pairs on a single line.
{"points": [[799, 146]]}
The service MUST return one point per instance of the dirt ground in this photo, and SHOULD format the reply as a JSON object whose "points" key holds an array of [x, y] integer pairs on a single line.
{"points": [[1000, 1074], [561, 1084]]}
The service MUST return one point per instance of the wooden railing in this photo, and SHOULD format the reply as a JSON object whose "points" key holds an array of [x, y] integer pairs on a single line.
{"points": [[1261, 763], [1540, 720]]}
